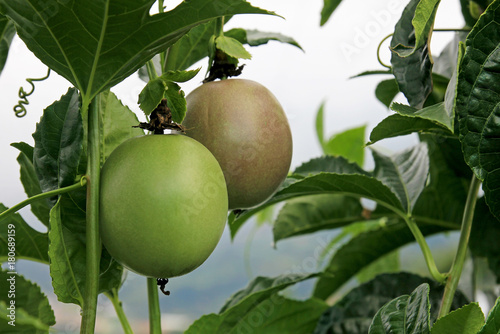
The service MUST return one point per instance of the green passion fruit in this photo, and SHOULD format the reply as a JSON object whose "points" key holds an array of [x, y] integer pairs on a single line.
{"points": [[163, 204], [243, 124]]}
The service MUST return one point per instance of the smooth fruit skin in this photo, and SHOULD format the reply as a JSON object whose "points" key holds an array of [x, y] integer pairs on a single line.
{"points": [[163, 204], [242, 123]]}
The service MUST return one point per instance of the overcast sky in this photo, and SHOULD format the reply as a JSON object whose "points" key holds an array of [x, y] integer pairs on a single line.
{"points": [[345, 46]]}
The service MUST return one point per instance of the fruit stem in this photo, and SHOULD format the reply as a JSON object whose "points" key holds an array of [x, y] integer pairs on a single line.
{"points": [[219, 26], [460, 256], [93, 242], [154, 307], [117, 304], [38, 197]]}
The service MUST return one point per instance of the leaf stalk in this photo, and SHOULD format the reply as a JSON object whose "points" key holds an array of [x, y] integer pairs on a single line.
{"points": [[117, 304]]}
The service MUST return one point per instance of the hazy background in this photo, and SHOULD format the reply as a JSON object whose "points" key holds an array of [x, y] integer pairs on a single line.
{"points": [[344, 47]]}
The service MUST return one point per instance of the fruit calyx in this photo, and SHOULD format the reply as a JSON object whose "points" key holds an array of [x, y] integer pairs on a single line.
{"points": [[161, 120], [223, 66]]}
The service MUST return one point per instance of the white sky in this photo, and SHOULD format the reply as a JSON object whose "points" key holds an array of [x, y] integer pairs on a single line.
{"points": [[301, 81]]}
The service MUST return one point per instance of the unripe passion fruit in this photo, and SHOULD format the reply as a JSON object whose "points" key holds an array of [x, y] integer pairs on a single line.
{"points": [[163, 204], [245, 127]]}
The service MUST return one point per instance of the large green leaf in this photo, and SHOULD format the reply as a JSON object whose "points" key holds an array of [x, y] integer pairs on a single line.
{"points": [[7, 32], [404, 173], [492, 325], [329, 7], [31, 309], [386, 91], [97, 45], [364, 249], [25, 242], [478, 104], [355, 311], [29, 179], [309, 214], [58, 142], [259, 300], [405, 314], [349, 144], [466, 320], [411, 61]]}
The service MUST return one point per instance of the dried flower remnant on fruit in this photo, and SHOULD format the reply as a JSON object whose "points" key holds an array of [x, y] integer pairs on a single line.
{"points": [[160, 120], [162, 282], [223, 67]]}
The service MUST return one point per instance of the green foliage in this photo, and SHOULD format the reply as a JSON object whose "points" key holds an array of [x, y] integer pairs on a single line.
{"points": [[492, 324], [468, 319], [7, 32], [329, 7], [476, 104]]}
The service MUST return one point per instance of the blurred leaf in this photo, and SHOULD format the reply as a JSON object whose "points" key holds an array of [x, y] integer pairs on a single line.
{"points": [[309, 214], [492, 325], [31, 185], [386, 264], [386, 91], [111, 44], [7, 33], [349, 144], [372, 72], [405, 314], [254, 37], [29, 243], [364, 249], [412, 67], [353, 314], [58, 142], [32, 311], [446, 63], [260, 299], [404, 173], [465, 320], [329, 7], [320, 128], [477, 104], [484, 236], [232, 47], [469, 20]]}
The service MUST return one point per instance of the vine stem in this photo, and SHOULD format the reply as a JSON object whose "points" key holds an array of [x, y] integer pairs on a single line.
{"points": [[460, 256], [93, 243], [117, 304], [41, 196], [154, 307]]}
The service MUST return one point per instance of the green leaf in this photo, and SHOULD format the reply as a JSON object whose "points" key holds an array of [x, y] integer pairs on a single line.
{"points": [[353, 314], [446, 63], [7, 33], [423, 21], [412, 67], [150, 97], [254, 37], [432, 119], [405, 314], [349, 144], [372, 72], [232, 47], [329, 7], [466, 320], [309, 214], [364, 249], [179, 76], [176, 101], [478, 101], [58, 142], [259, 300], [320, 128], [404, 173], [469, 20], [340, 177], [485, 235], [492, 325], [30, 182], [17, 235], [113, 38], [115, 123], [386, 91], [32, 311]]}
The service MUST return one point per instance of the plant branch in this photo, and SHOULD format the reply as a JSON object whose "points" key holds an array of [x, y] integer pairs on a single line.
{"points": [[41, 196], [119, 311], [93, 243], [154, 307], [460, 256]]}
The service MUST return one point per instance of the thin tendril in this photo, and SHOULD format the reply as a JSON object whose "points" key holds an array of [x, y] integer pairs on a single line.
{"points": [[20, 108], [378, 52]]}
